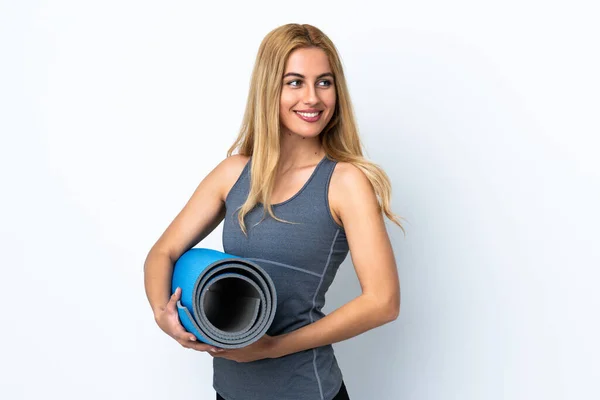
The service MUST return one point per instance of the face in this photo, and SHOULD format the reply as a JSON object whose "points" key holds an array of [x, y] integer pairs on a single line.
{"points": [[308, 93]]}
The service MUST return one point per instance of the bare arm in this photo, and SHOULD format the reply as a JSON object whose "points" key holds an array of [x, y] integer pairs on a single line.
{"points": [[158, 267], [199, 217]]}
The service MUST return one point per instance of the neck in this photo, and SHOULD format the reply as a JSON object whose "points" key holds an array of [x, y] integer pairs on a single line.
{"points": [[297, 151]]}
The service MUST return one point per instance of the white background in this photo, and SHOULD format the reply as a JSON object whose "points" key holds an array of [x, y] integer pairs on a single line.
{"points": [[484, 115]]}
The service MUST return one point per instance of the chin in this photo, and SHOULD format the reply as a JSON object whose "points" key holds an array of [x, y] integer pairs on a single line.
{"points": [[306, 131], [308, 134]]}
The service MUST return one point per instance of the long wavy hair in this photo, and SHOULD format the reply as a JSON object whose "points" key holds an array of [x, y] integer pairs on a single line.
{"points": [[260, 131]]}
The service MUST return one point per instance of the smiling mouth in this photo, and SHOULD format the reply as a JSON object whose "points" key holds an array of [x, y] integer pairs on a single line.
{"points": [[309, 116]]}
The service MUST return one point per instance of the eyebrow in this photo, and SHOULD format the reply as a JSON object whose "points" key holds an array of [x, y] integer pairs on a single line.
{"points": [[302, 76]]}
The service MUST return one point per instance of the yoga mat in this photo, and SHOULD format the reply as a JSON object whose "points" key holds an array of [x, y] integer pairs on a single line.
{"points": [[226, 301]]}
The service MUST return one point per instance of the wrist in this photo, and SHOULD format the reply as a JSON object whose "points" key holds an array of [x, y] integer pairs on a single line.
{"points": [[157, 311], [277, 346]]}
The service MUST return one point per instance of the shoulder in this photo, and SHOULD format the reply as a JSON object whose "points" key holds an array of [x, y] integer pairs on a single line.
{"points": [[228, 171], [349, 189], [347, 176], [233, 165]]}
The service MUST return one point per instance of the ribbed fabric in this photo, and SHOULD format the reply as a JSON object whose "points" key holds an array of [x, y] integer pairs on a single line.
{"points": [[302, 259]]}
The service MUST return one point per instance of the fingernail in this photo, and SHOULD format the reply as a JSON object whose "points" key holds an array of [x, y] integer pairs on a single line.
{"points": [[193, 339]]}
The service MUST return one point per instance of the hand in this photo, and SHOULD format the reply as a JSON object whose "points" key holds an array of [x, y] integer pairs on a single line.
{"points": [[168, 320], [263, 348]]}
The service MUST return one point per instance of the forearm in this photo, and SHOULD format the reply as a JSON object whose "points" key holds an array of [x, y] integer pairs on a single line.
{"points": [[158, 271], [353, 318]]}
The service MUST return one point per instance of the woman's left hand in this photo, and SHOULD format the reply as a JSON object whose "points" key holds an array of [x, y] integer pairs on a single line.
{"points": [[262, 348]]}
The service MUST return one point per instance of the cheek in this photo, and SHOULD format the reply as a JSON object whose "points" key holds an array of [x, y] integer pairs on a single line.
{"points": [[285, 106], [286, 101], [330, 100]]}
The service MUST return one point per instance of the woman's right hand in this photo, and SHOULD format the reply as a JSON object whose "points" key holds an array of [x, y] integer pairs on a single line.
{"points": [[168, 320]]}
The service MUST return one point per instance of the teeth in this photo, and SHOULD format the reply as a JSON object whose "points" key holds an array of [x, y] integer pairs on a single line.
{"points": [[308, 115]]}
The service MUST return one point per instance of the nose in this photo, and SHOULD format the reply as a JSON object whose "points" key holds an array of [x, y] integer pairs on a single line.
{"points": [[310, 96]]}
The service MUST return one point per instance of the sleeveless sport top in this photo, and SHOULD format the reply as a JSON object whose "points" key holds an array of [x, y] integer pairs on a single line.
{"points": [[302, 259]]}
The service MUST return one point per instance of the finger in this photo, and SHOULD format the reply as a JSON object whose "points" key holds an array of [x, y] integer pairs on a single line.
{"points": [[174, 298], [187, 343], [199, 346], [204, 347], [178, 330], [180, 333]]}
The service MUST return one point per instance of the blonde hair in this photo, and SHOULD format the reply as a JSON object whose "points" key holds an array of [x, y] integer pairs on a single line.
{"points": [[260, 131]]}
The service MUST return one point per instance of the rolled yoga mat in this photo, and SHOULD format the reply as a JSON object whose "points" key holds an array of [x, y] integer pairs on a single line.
{"points": [[226, 301]]}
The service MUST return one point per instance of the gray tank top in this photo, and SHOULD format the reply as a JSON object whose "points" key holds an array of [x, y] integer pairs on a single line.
{"points": [[302, 259]]}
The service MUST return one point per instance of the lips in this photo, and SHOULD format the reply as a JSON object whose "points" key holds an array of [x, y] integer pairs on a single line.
{"points": [[309, 116]]}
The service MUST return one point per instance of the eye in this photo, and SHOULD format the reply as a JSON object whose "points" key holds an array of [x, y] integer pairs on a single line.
{"points": [[294, 83], [326, 82]]}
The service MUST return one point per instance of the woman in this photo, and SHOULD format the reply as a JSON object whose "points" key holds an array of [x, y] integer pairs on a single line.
{"points": [[296, 199]]}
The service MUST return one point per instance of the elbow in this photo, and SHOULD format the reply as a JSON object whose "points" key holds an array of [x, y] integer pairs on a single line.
{"points": [[392, 313], [389, 309], [393, 306], [385, 308]]}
